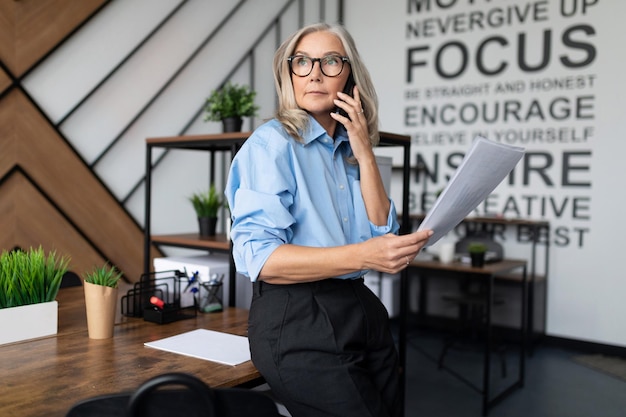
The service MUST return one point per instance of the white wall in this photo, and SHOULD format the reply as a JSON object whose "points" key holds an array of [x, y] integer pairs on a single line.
{"points": [[577, 190]]}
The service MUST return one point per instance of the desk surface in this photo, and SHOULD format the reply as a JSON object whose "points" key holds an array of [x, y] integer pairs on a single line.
{"points": [[494, 268], [45, 377]]}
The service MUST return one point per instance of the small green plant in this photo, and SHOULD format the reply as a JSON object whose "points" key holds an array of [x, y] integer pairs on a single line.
{"points": [[477, 247], [30, 277], [206, 204], [232, 100], [106, 276]]}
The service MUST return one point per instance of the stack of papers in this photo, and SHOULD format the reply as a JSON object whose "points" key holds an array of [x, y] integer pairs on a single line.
{"points": [[205, 344], [485, 165]]}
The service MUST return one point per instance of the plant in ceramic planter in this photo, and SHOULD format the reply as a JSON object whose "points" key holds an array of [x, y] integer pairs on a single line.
{"points": [[229, 104], [101, 288], [29, 284], [477, 251], [207, 204], [30, 277]]}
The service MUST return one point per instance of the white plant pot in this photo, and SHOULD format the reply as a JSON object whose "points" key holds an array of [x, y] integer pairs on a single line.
{"points": [[28, 321]]}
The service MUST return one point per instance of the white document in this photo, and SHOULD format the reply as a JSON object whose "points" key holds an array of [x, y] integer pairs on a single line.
{"points": [[483, 168], [205, 344]]}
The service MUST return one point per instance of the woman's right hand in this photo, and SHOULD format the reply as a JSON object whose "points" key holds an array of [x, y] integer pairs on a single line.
{"points": [[391, 253]]}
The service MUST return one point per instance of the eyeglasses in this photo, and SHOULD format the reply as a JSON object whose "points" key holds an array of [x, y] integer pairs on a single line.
{"points": [[331, 65]]}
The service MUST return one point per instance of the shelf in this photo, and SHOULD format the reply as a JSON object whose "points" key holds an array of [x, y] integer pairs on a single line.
{"points": [[223, 142], [193, 241], [501, 267], [393, 139], [217, 142]]}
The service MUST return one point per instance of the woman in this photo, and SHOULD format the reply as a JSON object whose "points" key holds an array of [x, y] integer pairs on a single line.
{"points": [[310, 216]]}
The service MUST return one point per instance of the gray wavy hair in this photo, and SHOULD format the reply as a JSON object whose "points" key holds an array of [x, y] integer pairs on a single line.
{"points": [[292, 117]]}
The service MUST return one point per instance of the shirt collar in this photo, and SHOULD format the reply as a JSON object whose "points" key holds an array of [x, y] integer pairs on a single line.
{"points": [[316, 131]]}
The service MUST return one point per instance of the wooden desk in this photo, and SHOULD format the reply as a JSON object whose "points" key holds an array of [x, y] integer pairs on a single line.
{"points": [[45, 377], [535, 232], [424, 269]]}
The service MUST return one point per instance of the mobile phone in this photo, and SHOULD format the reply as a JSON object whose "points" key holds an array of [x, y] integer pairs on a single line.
{"points": [[348, 90]]}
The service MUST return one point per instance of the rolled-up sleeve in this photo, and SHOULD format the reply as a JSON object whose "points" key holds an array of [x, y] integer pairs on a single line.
{"points": [[360, 211], [259, 195], [392, 225], [256, 233]]}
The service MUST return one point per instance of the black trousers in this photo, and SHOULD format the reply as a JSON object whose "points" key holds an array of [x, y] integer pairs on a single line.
{"points": [[325, 348]]}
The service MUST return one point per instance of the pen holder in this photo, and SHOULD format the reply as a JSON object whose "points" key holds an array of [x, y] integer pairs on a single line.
{"points": [[210, 301], [168, 314]]}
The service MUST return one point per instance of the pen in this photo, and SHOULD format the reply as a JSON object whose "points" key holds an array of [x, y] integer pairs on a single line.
{"points": [[216, 279], [192, 279], [157, 302]]}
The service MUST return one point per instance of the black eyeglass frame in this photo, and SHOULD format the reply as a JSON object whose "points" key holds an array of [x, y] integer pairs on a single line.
{"points": [[344, 59]]}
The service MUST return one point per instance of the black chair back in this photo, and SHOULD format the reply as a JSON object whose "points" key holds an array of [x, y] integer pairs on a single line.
{"points": [[195, 399]]}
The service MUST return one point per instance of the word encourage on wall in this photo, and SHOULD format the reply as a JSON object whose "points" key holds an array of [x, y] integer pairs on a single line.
{"points": [[521, 73]]}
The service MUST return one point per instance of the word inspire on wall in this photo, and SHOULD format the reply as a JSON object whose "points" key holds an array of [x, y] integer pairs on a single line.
{"points": [[521, 74]]}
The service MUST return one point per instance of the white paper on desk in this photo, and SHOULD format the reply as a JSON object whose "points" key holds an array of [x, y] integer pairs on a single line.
{"points": [[209, 345], [484, 166]]}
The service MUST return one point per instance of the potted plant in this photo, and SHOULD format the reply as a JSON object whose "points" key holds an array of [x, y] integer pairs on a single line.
{"points": [[229, 104], [29, 284], [101, 287], [477, 251], [206, 204]]}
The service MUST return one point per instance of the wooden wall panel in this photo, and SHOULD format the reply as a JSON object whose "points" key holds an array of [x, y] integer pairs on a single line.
{"points": [[48, 195], [8, 149], [31, 28], [74, 189], [8, 222], [5, 81], [35, 222], [7, 30]]}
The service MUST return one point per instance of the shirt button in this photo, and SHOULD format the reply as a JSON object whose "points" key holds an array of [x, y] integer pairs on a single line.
{"points": [[341, 187], [345, 219]]}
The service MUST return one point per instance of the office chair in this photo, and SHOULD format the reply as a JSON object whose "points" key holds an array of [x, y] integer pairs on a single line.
{"points": [[70, 279], [195, 400], [470, 301]]}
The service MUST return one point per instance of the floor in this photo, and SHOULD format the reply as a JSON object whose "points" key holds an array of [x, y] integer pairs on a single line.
{"points": [[555, 385]]}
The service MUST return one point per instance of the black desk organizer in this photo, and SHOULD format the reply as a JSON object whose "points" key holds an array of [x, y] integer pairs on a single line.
{"points": [[166, 285]]}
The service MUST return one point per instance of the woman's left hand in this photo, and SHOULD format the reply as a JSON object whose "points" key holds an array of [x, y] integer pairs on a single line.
{"points": [[355, 123]]}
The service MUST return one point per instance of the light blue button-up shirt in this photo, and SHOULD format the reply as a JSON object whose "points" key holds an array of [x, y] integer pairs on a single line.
{"points": [[283, 191]]}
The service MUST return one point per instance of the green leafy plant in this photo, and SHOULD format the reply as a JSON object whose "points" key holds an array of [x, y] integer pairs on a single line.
{"points": [[477, 247], [106, 276], [232, 100], [206, 204], [30, 277]]}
